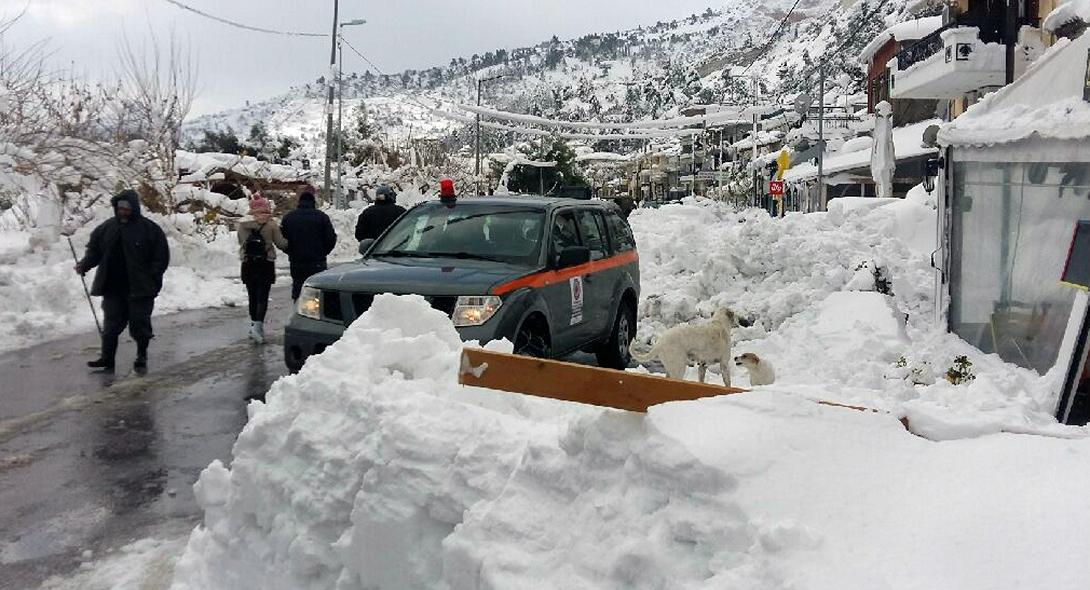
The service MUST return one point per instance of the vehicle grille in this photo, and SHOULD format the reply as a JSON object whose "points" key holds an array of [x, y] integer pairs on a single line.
{"points": [[331, 305], [444, 304], [361, 302]]}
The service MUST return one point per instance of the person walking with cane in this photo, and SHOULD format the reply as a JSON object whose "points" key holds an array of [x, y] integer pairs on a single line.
{"points": [[258, 238], [132, 255]]}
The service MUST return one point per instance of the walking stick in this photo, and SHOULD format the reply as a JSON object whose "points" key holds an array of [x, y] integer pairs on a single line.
{"points": [[86, 292]]}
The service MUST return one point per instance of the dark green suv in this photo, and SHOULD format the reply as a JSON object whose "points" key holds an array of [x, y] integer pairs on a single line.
{"points": [[551, 275]]}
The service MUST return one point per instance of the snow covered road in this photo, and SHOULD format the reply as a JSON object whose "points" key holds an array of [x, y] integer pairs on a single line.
{"points": [[89, 463]]}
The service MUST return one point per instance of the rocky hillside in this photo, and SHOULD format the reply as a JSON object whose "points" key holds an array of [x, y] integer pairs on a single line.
{"points": [[647, 72]]}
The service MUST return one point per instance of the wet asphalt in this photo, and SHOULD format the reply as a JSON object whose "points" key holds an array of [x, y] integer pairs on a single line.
{"points": [[93, 461]]}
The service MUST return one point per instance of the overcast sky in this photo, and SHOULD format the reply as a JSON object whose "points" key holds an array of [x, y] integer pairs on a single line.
{"points": [[235, 65]]}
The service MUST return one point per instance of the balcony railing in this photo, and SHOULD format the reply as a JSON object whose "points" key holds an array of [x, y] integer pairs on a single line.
{"points": [[922, 49], [990, 30]]}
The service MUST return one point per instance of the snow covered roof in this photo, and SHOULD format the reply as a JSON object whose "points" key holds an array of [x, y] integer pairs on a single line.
{"points": [[203, 166], [909, 30], [907, 141], [1046, 102], [602, 157], [1067, 12], [763, 138]]}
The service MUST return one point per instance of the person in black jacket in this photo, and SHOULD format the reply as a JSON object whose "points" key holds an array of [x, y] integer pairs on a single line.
{"points": [[375, 219], [310, 237], [132, 255]]}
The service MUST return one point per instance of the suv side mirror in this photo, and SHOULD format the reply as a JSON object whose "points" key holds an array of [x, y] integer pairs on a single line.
{"points": [[365, 245], [573, 256]]}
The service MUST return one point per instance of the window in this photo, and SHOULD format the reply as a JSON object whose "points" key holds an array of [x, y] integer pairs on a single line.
{"points": [[1011, 228], [620, 233], [509, 234], [594, 235], [564, 233]]}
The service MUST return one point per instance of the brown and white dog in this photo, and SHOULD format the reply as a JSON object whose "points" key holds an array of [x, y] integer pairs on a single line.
{"points": [[704, 343], [760, 370]]}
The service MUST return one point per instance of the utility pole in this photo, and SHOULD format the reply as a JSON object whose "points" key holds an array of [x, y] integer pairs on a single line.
{"points": [[756, 183], [329, 101], [821, 141], [477, 150], [341, 202]]}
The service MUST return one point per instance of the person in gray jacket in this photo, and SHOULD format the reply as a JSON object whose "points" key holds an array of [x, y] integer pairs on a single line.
{"points": [[259, 237]]}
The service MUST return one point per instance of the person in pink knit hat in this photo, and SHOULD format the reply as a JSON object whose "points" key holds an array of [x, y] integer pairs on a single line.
{"points": [[259, 237]]}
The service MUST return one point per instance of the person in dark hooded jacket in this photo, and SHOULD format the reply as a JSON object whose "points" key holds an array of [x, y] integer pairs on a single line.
{"points": [[375, 219], [132, 255], [310, 237]]}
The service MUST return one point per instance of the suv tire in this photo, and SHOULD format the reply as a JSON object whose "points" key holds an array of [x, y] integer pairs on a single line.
{"points": [[532, 340], [614, 353]]}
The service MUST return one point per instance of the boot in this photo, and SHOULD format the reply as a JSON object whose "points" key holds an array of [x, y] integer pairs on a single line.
{"points": [[141, 361], [105, 361], [257, 332]]}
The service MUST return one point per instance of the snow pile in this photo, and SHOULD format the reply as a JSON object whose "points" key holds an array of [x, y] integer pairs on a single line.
{"points": [[147, 564], [205, 166], [1065, 13], [373, 469], [842, 305]]}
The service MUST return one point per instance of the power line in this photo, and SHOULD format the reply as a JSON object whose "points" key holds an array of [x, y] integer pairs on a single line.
{"points": [[772, 37], [243, 25], [836, 50], [362, 56]]}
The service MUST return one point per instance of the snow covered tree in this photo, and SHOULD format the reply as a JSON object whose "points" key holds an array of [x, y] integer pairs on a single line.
{"points": [[532, 179]]}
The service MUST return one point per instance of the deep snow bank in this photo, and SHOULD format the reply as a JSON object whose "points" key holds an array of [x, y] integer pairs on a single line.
{"points": [[372, 468], [811, 284]]}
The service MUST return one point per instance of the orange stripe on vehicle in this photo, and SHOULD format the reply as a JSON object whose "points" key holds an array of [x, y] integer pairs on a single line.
{"points": [[541, 279]]}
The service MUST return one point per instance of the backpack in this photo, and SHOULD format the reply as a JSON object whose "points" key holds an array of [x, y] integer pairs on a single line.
{"points": [[254, 249]]}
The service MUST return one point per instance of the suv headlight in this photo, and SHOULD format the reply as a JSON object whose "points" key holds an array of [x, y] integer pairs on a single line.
{"points": [[309, 304], [475, 310]]}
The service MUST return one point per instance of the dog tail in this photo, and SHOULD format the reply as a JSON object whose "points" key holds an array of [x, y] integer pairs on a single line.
{"points": [[640, 358]]}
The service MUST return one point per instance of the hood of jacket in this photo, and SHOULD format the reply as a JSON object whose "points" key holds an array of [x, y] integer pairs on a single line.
{"points": [[131, 197]]}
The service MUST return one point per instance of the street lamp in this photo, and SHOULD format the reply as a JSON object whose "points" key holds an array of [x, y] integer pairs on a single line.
{"points": [[477, 151], [341, 202]]}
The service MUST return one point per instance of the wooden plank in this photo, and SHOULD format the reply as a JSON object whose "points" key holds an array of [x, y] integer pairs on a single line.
{"points": [[903, 419], [578, 383]]}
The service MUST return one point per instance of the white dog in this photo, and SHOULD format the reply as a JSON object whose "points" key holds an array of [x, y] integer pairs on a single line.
{"points": [[760, 370], [704, 343]]}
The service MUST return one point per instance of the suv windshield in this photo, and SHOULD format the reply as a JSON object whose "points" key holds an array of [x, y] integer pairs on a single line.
{"points": [[501, 233]]}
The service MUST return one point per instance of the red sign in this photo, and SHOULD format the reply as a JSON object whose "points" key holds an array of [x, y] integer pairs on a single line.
{"points": [[775, 187]]}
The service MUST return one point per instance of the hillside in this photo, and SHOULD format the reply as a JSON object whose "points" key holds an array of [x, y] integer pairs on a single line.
{"points": [[648, 72]]}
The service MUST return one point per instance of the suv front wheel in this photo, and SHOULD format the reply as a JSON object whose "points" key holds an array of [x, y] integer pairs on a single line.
{"points": [[532, 338], [614, 352]]}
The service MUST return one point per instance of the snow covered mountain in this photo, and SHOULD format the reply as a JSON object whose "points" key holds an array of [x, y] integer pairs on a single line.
{"points": [[648, 72]]}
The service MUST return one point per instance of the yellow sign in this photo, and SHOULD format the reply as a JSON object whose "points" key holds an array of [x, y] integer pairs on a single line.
{"points": [[783, 162]]}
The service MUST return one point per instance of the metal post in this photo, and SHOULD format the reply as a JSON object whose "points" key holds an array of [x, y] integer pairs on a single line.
{"points": [[329, 101], [477, 150], [1010, 38], [756, 183], [341, 204], [822, 202]]}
